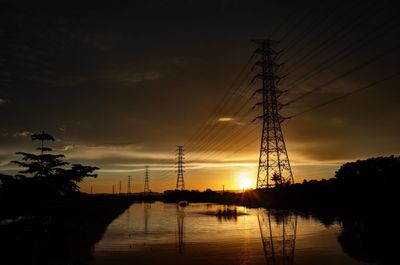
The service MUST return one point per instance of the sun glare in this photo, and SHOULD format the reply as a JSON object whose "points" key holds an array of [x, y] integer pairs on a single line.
{"points": [[244, 180]]}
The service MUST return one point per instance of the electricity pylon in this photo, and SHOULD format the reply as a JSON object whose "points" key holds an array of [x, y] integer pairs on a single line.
{"points": [[180, 183], [274, 166], [129, 185], [146, 181]]}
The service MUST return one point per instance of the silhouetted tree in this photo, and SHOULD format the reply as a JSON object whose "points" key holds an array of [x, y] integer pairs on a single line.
{"points": [[376, 171], [277, 179], [42, 165], [43, 137], [45, 175]]}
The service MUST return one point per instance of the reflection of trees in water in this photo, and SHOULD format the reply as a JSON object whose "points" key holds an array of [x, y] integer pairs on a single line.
{"points": [[180, 217], [146, 209], [369, 238], [63, 236], [225, 213], [278, 235], [364, 236]]}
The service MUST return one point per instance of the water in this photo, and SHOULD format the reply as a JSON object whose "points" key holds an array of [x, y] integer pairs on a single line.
{"points": [[160, 233]]}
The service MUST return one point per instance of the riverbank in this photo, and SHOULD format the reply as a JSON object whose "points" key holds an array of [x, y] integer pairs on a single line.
{"points": [[325, 195], [357, 186], [62, 233], [67, 234]]}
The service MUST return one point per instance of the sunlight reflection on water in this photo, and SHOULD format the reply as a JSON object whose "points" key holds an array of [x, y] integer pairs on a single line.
{"points": [[160, 233]]}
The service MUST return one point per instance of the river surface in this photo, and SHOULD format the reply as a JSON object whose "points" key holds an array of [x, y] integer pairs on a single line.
{"points": [[160, 233]]}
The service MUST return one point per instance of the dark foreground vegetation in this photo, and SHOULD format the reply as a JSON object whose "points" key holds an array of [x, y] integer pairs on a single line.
{"points": [[44, 181], [62, 234], [44, 219]]}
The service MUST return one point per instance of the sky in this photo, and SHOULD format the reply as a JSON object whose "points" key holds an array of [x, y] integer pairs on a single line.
{"points": [[120, 85]]}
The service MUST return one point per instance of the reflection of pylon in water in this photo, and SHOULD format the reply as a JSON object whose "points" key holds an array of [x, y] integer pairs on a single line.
{"points": [[146, 208], [129, 226], [180, 217], [278, 235]]}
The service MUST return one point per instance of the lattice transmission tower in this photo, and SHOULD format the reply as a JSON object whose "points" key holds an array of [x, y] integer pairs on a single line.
{"points": [[180, 183], [274, 166], [146, 181], [129, 189]]}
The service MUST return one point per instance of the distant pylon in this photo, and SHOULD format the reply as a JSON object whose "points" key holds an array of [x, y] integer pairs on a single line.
{"points": [[274, 166], [129, 185], [120, 187], [146, 181], [180, 183]]}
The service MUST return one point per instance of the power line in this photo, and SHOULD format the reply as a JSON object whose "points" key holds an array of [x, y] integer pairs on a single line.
{"points": [[222, 111], [253, 140], [341, 55], [345, 95], [225, 99], [215, 130], [225, 129], [285, 20], [300, 20], [347, 73], [327, 42]]}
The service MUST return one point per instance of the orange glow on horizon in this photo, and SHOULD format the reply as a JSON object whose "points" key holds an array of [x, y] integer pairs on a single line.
{"points": [[244, 180]]}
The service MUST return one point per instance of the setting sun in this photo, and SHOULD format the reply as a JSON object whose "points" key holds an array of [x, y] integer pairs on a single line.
{"points": [[244, 180]]}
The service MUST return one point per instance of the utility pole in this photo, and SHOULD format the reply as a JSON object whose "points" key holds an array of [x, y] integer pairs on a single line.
{"points": [[146, 181], [91, 189], [273, 166], [129, 185], [223, 188], [113, 189], [180, 183], [120, 187]]}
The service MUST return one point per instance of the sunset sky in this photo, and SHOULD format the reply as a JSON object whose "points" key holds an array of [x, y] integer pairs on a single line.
{"points": [[119, 86]]}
